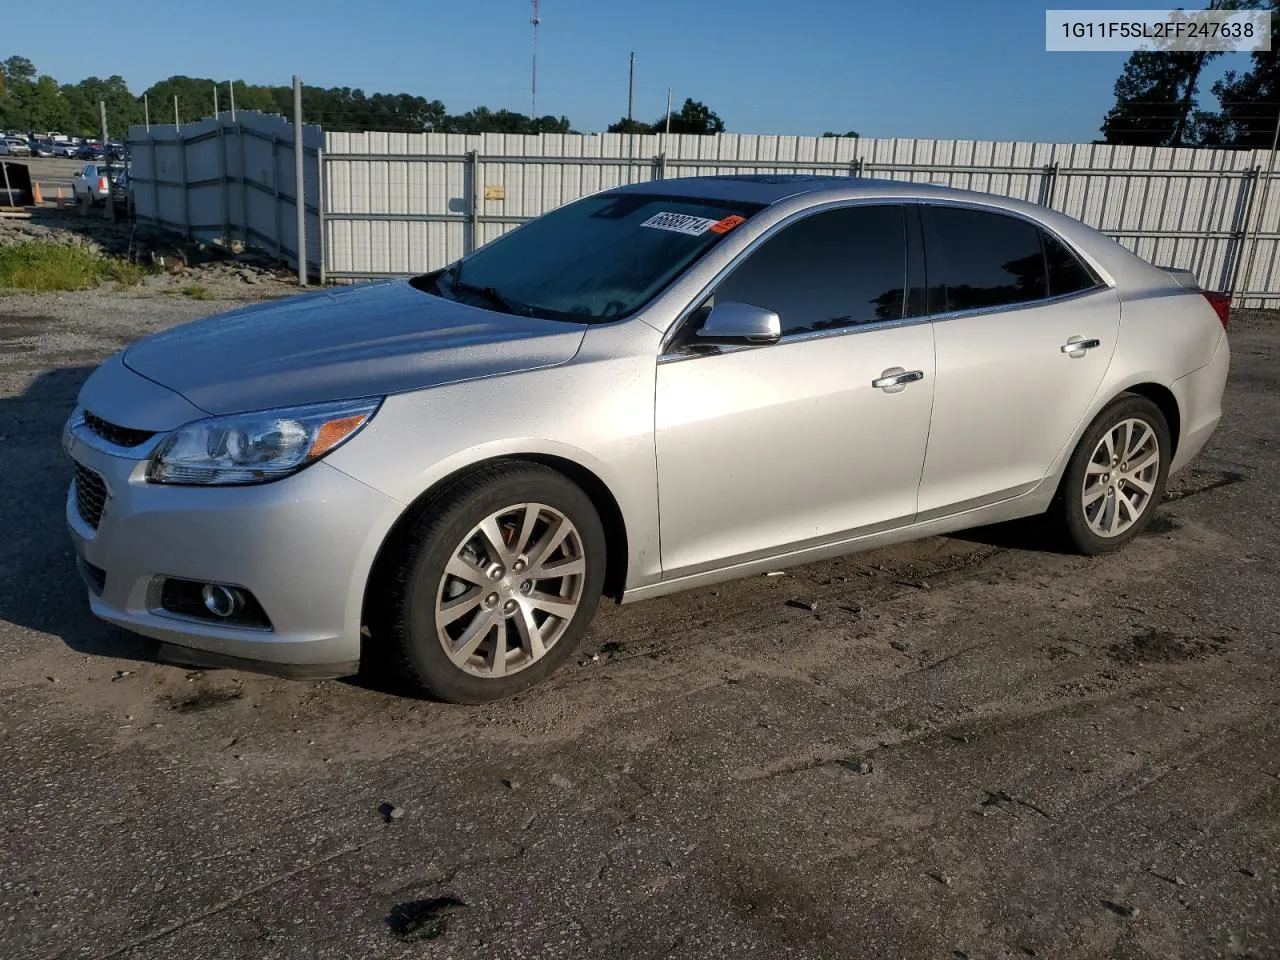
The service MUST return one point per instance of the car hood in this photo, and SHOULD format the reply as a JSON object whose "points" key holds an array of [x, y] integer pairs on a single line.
{"points": [[361, 341]]}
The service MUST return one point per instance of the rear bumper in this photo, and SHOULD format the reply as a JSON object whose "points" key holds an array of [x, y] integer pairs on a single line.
{"points": [[1199, 397]]}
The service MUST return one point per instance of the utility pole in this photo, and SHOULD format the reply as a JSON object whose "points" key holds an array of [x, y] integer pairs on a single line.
{"points": [[231, 85], [668, 116], [215, 99], [110, 212], [177, 125], [631, 86], [533, 86], [146, 112], [299, 184]]}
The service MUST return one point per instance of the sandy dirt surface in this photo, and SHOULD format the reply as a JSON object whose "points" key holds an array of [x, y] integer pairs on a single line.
{"points": [[974, 747]]}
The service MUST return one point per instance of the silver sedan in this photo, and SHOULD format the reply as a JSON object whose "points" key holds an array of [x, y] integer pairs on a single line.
{"points": [[647, 390]]}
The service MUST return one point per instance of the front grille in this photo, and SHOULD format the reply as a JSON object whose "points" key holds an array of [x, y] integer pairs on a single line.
{"points": [[91, 495], [95, 578], [115, 434]]}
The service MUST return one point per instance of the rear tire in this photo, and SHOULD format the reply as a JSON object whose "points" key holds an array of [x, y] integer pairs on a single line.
{"points": [[1115, 478], [493, 585]]}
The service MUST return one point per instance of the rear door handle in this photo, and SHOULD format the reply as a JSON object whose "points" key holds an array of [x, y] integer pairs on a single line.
{"points": [[1076, 346], [895, 379]]}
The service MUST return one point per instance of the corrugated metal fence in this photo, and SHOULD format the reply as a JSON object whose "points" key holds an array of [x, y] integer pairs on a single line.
{"points": [[386, 204], [220, 179], [404, 203]]}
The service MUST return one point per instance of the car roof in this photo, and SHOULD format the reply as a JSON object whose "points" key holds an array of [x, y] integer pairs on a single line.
{"points": [[807, 189], [769, 188]]}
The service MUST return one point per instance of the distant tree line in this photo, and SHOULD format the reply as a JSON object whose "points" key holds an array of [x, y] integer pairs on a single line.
{"points": [[1157, 96], [32, 101]]}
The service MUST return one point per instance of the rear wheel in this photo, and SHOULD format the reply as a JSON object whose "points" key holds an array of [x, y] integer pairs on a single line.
{"points": [[497, 581], [1116, 477]]}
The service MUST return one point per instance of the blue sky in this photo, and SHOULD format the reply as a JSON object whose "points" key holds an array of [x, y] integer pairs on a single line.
{"points": [[914, 68]]}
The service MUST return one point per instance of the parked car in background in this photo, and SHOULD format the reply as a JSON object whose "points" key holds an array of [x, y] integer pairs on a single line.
{"points": [[41, 147], [15, 147], [117, 150], [66, 149], [122, 190], [653, 388], [91, 150], [90, 184]]}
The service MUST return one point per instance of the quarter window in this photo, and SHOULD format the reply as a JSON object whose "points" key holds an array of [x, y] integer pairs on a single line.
{"points": [[1066, 273], [835, 269], [980, 259]]}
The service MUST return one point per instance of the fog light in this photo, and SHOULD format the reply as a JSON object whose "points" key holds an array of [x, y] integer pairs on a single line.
{"points": [[219, 600]]}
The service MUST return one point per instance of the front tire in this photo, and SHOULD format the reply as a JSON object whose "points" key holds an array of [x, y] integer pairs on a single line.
{"points": [[495, 583], [1116, 476]]}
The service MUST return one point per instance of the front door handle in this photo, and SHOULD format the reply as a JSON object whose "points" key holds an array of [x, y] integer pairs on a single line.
{"points": [[1076, 346], [896, 379]]}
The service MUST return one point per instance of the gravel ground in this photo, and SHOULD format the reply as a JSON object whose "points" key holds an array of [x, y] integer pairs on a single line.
{"points": [[974, 747]]}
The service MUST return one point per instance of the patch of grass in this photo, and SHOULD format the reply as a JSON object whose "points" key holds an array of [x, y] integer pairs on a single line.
{"points": [[197, 293], [124, 273], [44, 267], [38, 266]]}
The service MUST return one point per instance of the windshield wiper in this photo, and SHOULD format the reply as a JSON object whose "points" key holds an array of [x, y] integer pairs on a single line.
{"points": [[493, 296]]}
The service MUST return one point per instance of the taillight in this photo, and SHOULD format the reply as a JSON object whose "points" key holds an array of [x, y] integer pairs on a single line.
{"points": [[1221, 303]]}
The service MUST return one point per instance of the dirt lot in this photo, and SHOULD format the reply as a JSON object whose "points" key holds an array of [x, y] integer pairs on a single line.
{"points": [[975, 747]]}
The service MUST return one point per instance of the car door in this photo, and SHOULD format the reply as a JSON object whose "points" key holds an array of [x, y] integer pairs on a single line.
{"points": [[1010, 302], [764, 449]]}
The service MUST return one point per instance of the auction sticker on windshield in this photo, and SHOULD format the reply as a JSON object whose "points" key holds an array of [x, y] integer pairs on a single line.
{"points": [[680, 223]]}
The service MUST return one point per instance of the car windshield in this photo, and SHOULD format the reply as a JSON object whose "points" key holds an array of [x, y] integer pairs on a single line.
{"points": [[597, 259]]}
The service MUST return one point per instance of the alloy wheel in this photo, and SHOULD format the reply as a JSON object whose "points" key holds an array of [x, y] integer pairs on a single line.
{"points": [[1121, 477], [510, 590]]}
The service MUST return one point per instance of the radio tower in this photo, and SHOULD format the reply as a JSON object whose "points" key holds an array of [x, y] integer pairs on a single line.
{"points": [[535, 20]]}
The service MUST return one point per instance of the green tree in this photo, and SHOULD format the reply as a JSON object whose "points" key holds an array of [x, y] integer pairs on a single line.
{"points": [[1249, 102], [694, 117], [84, 116], [1156, 99], [634, 126], [853, 134], [1156, 96]]}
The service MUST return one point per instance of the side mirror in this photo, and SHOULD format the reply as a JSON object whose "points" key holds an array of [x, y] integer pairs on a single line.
{"points": [[740, 323]]}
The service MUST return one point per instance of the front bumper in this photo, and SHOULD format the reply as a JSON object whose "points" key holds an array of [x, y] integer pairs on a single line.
{"points": [[303, 546]]}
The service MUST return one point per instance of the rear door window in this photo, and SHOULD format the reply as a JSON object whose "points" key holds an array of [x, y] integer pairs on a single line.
{"points": [[840, 268], [979, 258]]}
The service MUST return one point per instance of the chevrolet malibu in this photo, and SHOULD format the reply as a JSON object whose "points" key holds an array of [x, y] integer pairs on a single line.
{"points": [[647, 390]]}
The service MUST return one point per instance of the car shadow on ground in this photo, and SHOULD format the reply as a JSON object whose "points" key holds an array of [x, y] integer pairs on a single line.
{"points": [[39, 586], [1035, 534]]}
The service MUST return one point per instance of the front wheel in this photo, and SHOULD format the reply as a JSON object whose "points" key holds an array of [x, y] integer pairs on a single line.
{"points": [[496, 582], [1116, 477]]}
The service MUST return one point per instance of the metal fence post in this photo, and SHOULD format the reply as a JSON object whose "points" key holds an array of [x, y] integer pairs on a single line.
{"points": [[275, 192], [182, 176], [855, 168], [156, 218], [321, 224], [299, 182], [660, 166], [1231, 269], [224, 176], [1048, 185], [477, 192], [244, 186]]}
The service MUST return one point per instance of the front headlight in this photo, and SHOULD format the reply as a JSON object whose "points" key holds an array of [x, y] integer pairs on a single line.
{"points": [[257, 447]]}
